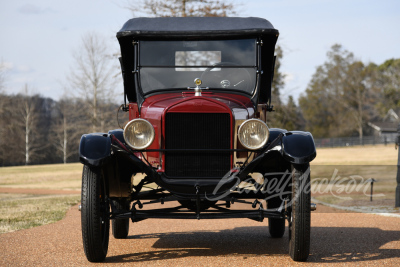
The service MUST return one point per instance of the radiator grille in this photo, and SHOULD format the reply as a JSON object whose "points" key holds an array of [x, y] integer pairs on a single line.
{"points": [[197, 131]]}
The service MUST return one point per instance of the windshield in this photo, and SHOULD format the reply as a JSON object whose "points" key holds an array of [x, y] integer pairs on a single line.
{"points": [[224, 65]]}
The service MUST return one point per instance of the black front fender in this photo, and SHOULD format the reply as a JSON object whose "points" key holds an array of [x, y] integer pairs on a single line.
{"points": [[298, 147], [284, 147], [95, 149], [101, 150]]}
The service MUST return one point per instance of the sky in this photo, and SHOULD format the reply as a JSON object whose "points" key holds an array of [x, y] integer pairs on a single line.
{"points": [[38, 37]]}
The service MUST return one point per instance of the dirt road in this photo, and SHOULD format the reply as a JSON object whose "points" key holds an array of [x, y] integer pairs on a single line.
{"points": [[337, 237]]}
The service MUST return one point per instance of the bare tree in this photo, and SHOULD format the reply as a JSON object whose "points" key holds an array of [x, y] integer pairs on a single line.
{"points": [[182, 8], [2, 76], [92, 77], [27, 132], [2, 101], [25, 126], [67, 128]]}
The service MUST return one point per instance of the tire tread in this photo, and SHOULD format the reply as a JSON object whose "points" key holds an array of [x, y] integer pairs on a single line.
{"points": [[299, 244], [120, 228], [94, 246]]}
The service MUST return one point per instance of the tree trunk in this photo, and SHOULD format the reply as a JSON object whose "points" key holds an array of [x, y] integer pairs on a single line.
{"points": [[27, 136], [65, 141]]}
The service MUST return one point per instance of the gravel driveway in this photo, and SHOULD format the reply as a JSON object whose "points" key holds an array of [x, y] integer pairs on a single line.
{"points": [[337, 237]]}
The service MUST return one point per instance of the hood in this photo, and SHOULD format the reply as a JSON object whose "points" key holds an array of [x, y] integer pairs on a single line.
{"points": [[240, 106], [155, 109]]}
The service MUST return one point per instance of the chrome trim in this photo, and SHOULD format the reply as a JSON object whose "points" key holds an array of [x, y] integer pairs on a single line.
{"points": [[151, 139], [197, 89], [263, 143], [313, 207], [235, 144], [236, 140]]}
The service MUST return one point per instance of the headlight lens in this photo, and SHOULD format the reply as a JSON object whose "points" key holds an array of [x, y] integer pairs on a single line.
{"points": [[139, 134], [253, 134]]}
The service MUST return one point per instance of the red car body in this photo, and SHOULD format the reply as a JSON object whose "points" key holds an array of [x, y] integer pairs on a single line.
{"points": [[200, 147]]}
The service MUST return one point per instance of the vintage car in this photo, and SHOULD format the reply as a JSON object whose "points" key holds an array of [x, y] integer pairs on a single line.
{"points": [[198, 93]]}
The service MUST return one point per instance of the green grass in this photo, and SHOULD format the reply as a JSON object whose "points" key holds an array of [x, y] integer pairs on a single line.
{"points": [[22, 211], [385, 175], [357, 155], [55, 176], [349, 185]]}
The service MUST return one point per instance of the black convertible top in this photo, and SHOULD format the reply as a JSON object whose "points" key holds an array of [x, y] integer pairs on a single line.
{"points": [[201, 28], [196, 26]]}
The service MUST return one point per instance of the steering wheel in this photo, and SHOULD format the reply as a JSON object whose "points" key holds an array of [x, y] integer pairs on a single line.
{"points": [[227, 78]]}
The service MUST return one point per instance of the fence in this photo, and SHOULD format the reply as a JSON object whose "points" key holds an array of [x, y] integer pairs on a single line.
{"points": [[353, 141]]}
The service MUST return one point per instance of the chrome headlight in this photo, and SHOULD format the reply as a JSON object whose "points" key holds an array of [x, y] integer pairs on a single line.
{"points": [[139, 134], [253, 134]]}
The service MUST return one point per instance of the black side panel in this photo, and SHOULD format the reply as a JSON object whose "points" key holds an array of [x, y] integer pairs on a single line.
{"points": [[127, 66], [268, 65], [95, 151]]}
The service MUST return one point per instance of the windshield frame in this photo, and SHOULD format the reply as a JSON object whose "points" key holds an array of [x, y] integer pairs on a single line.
{"points": [[255, 77]]}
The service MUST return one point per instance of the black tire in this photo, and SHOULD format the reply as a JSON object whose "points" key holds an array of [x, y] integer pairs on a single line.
{"points": [[276, 226], [120, 227], [94, 215], [300, 219]]}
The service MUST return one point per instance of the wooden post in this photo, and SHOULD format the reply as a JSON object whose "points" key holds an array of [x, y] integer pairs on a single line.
{"points": [[397, 204], [372, 188]]}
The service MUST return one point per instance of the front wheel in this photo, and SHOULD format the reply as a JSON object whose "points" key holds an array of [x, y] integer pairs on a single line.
{"points": [[120, 227], [300, 216], [276, 226], [95, 215]]}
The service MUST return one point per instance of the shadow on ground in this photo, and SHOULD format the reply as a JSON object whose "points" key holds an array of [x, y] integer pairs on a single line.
{"points": [[329, 244]]}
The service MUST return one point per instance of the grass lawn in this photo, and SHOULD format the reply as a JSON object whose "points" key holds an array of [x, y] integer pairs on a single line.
{"points": [[342, 175], [357, 155], [22, 211], [54, 176]]}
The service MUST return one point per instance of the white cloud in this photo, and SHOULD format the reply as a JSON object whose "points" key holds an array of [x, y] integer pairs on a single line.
{"points": [[24, 68], [288, 77], [18, 69], [7, 65], [31, 9]]}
